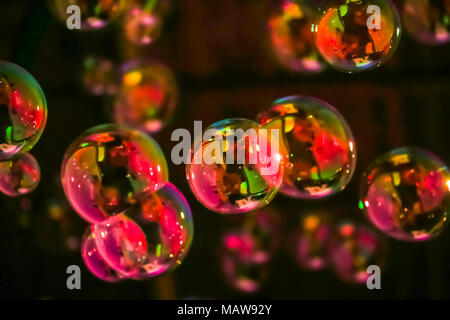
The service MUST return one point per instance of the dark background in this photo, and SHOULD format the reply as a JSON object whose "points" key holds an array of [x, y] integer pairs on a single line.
{"points": [[220, 54]]}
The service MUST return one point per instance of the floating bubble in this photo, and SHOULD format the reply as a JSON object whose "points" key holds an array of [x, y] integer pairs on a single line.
{"points": [[24, 111], [20, 175], [428, 21], [150, 238], [406, 194], [94, 14], [292, 39], [99, 77], [147, 97], [236, 168], [242, 267], [109, 168], [357, 35], [312, 239], [94, 261], [352, 249], [144, 20], [317, 143]]}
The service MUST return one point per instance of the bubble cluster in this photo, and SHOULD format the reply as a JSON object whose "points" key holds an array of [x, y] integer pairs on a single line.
{"points": [[357, 35], [427, 21], [24, 111], [147, 96], [20, 175], [405, 193], [109, 168], [317, 144], [236, 168], [94, 14], [352, 249], [292, 39], [144, 19], [99, 76]]}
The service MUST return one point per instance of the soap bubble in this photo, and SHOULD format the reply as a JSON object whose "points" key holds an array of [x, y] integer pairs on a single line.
{"points": [[99, 76], [24, 111], [20, 175], [428, 21], [406, 194], [312, 240], [242, 268], [95, 14], [94, 261], [236, 168], [109, 168], [352, 249], [147, 97], [150, 238], [292, 39], [144, 20], [319, 149], [357, 35]]}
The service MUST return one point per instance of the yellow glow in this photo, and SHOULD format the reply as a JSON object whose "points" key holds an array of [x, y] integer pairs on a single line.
{"points": [[132, 78]]}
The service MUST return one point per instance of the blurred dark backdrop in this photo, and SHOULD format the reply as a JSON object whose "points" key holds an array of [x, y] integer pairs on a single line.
{"points": [[219, 52]]}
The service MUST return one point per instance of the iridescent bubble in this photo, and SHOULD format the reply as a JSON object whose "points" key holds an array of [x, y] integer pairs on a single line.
{"points": [[235, 168], [406, 194], [428, 21], [292, 39], [242, 268], [312, 240], [20, 175], [94, 261], [147, 97], [24, 111], [94, 14], [150, 238], [352, 249], [99, 76], [109, 168], [317, 144], [144, 20], [357, 35]]}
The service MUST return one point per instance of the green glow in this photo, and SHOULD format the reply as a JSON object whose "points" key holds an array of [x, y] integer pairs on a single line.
{"points": [[158, 250], [361, 205], [8, 133], [343, 10]]}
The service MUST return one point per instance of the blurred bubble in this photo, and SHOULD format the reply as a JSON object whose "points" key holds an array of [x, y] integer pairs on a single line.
{"points": [[94, 262], [312, 240], [317, 143], [406, 194], [357, 35], [427, 21], [144, 20], [19, 176], [292, 39], [109, 168], [99, 76], [148, 96], [237, 169], [24, 111], [148, 239], [95, 14], [352, 249]]}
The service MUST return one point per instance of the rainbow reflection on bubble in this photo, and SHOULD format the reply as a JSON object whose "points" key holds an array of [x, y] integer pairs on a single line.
{"points": [[99, 76], [357, 35], [95, 14], [24, 110], [317, 144], [248, 180], [292, 39], [20, 175], [109, 168], [147, 97], [428, 21], [150, 238], [352, 249], [405, 193]]}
